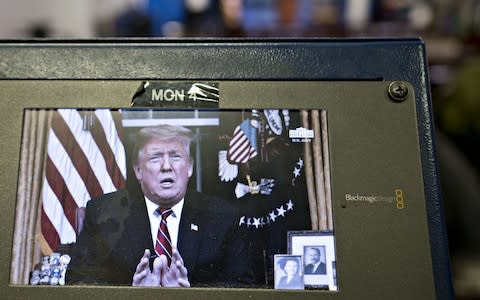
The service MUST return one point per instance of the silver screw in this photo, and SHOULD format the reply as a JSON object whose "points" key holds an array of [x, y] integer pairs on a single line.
{"points": [[398, 91]]}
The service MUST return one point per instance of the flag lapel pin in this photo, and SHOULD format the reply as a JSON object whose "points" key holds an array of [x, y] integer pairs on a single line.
{"points": [[194, 227]]}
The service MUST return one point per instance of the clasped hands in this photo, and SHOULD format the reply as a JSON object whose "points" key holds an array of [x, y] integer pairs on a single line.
{"points": [[175, 275]]}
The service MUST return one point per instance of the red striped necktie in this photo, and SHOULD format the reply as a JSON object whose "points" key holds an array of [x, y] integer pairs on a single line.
{"points": [[163, 245]]}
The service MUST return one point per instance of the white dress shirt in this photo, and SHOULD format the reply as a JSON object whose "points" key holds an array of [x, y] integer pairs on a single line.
{"points": [[173, 220], [315, 266]]}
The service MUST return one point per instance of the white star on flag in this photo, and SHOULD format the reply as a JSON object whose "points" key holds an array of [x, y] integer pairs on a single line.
{"points": [[242, 221], [289, 205], [300, 163], [296, 172], [256, 222], [281, 211], [273, 216]]}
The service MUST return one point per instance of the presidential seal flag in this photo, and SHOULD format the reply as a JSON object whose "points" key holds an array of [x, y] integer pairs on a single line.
{"points": [[85, 159]]}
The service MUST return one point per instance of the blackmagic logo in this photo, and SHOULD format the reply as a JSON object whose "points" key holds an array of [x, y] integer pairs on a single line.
{"points": [[177, 94]]}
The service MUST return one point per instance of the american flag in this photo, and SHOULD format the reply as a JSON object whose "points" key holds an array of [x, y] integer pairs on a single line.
{"points": [[243, 144], [85, 158]]}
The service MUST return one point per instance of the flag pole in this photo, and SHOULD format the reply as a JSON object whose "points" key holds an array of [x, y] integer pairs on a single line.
{"points": [[326, 168], [318, 169], [309, 175]]}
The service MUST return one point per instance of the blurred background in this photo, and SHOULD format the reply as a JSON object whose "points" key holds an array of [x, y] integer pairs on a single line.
{"points": [[450, 29]]}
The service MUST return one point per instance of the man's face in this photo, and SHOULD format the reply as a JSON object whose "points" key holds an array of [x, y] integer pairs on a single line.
{"points": [[163, 170], [313, 255]]}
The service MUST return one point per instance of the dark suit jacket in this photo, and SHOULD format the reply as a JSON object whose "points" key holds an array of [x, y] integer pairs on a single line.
{"points": [[117, 231], [320, 270]]}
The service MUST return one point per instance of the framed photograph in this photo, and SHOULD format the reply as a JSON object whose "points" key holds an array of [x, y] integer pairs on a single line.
{"points": [[289, 272], [318, 253]]}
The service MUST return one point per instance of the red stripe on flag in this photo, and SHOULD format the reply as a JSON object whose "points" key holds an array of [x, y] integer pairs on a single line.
{"points": [[241, 153], [49, 232], [81, 162], [244, 156], [57, 183], [240, 149], [111, 164], [76, 154]]}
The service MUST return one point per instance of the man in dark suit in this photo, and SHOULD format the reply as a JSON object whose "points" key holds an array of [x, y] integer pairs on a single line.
{"points": [[313, 263], [122, 241]]}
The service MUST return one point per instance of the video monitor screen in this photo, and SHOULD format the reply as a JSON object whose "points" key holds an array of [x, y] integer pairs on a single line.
{"points": [[175, 197]]}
